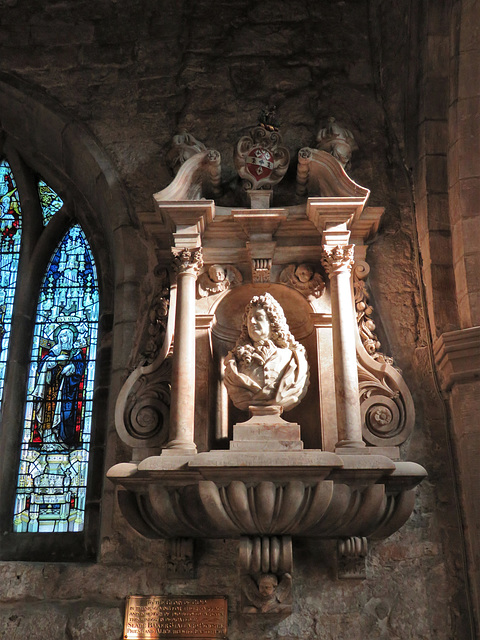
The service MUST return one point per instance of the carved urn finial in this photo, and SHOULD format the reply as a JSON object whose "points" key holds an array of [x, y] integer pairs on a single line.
{"points": [[336, 140], [184, 146]]}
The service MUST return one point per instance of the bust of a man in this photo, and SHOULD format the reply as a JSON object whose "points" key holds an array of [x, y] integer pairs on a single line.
{"points": [[267, 366]]}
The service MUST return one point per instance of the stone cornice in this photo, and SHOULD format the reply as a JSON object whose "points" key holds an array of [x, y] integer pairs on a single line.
{"points": [[457, 356]]}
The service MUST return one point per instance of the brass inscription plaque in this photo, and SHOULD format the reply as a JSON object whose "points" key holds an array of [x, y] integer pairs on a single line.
{"points": [[158, 617]]}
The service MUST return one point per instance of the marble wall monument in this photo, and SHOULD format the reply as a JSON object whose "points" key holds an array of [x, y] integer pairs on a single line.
{"points": [[271, 412]]}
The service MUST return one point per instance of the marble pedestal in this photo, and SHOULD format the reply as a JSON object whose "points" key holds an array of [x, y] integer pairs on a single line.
{"points": [[266, 431]]}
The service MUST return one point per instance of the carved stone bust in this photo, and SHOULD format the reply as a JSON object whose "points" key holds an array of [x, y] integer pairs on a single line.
{"points": [[267, 366]]}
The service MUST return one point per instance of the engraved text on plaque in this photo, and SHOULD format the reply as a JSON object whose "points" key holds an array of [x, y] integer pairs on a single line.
{"points": [[159, 617]]}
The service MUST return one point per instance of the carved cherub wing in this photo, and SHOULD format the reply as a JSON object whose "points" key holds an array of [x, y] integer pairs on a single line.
{"points": [[288, 275], [284, 588], [233, 275], [318, 285], [203, 285], [250, 589]]}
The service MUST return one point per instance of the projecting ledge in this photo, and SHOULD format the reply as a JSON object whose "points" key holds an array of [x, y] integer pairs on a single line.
{"points": [[304, 493]]}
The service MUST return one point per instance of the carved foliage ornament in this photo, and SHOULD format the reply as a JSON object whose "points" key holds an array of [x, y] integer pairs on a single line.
{"points": [[267, 366], [366, 326], [218, 278], [338, 258], [157, 319], [187, 260], [304, 279], [260, 159], [386, 404]]}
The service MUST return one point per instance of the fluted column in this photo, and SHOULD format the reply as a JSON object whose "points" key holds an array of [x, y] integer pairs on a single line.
{"points": [[187, 263], [338, 261]]}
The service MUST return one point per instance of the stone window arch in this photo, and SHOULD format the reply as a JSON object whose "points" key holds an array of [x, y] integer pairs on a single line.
{"points": [[56, 158]]}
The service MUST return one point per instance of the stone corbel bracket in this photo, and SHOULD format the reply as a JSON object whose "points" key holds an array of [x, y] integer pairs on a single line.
{"points": [[259, 226], [320, 174], [457, 356], [199, 175], [266, 567]]}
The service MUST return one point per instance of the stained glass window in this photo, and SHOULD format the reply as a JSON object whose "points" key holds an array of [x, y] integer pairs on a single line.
{"points": [[52, 476], [10, 229], [49, 201]]}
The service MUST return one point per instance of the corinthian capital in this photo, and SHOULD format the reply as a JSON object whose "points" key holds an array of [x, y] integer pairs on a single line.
{"points": [[187, 260], [338, 258]]}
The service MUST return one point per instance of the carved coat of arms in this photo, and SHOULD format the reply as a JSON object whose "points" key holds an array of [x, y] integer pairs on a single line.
{"points": [[260, 159]]}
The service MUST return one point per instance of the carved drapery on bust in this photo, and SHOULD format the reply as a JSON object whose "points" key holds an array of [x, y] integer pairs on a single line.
{"points": [[267, 366]]}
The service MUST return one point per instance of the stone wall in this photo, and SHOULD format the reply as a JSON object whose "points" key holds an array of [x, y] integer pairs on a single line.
{"points": [[133, 73]]}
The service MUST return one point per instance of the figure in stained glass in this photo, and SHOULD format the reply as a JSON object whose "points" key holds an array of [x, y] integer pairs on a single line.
{"points": [[10, 238], [59, 390], [9, 206], [52, 479]]}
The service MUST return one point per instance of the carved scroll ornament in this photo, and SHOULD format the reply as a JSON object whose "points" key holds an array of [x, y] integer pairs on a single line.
{"points": [[388, 413], [184, 146]]}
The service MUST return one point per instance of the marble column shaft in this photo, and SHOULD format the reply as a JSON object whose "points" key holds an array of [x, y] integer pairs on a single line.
{"points": [[338, 261], [182, 408]]}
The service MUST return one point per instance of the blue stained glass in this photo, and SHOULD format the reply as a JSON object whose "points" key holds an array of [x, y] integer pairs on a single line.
{"points": [[49, 201], [10, 237], [52, 478]]}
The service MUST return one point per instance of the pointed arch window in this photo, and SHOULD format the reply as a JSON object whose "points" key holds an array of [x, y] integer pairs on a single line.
{"points": [[48, 273], [52, 479]]}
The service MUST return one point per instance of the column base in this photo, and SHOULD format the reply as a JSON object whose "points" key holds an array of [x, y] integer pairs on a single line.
{"points": [[350, 444], [179, 448]]}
